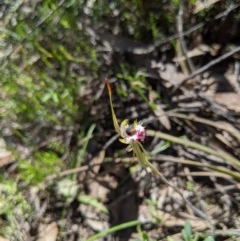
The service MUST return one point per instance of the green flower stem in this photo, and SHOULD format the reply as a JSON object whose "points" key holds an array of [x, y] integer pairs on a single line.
{"points": [[113, 230], [222, 170], [225, 156], [225, 126], [115, 122]]}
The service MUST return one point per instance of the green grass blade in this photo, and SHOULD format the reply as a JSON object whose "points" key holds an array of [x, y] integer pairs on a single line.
{"points": [[225, 156], [113, 230]]}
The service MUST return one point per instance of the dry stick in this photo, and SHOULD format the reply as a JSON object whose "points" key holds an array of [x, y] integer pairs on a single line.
{"points": [[194, 209], [150, 48], [188, 143], [224, 126], [183, 46], [82, 168], [223, 155], [206, 67], [223, 170], [194, 28]]}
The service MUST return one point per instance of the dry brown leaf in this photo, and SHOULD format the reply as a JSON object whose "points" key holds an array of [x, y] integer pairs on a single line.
{"points": [[162, 117], [49, 233], [201, 5], [6, 157], [169, 220], [200, 50], [222, 125], [170, 74], [97, 160], [233, 80], [159, 112], [98, 191], [229, 100], [3, 239]]}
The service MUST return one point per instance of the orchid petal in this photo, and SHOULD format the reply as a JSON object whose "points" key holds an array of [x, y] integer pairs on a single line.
{"points": [[115, 122], [129, 148], [124, 123], [135, 125], [123, 140]]}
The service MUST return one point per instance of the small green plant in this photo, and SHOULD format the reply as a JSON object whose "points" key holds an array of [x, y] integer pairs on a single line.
{"points": [[189, 235], [152, 205], [113, 230], [137, 83], [143, 234], [231, 160], [41, 165], [13, 207]]}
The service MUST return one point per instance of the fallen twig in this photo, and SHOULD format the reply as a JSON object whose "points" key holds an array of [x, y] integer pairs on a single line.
{"points": [[206, 67]]}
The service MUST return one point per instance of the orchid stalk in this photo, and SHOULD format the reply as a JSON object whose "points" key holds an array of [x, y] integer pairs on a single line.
{"points": [[134, 139], [132, 135]]}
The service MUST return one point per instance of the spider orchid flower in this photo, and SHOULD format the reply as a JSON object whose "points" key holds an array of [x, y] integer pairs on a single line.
{"points": [[132, 135]]}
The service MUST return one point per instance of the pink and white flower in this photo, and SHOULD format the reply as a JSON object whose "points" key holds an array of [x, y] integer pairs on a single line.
{"points": [[138, 133], [134, 133]]}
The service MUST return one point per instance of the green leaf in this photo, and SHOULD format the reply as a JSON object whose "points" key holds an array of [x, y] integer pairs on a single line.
{"points": [[113, 230], [209, 238], [67, 188], [89, 200], [187, 231]]}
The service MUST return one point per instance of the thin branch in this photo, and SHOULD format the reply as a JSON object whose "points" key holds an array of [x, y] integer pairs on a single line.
{"points": [[198, 26], [181, 37], [223, 155], [207, 67]]}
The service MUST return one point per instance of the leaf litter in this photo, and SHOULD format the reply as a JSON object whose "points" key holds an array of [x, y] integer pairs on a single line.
{"points": [[109, 187]]}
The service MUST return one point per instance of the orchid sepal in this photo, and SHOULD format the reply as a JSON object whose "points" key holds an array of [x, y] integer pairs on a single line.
{"points": [[129, 148], [122, 140], [114, 117]]}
